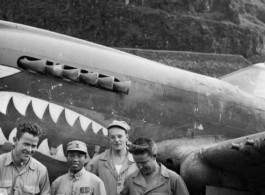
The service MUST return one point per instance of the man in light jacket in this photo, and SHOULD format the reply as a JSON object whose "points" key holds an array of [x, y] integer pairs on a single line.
{"points": [[116, 163]]}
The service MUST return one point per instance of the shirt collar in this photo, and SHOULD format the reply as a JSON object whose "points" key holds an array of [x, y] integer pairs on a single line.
{"points": [[77, 175], [107, 154], [163, 170], [130, 157], [9, 160], [31, 164]]}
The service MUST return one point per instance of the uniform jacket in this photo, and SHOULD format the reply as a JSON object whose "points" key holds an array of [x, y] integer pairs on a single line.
{"points": [[103, 167], [83, 183], [167, 182]]}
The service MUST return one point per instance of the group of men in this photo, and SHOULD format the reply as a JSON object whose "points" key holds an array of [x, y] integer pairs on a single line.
{"points": [[122, 169]]}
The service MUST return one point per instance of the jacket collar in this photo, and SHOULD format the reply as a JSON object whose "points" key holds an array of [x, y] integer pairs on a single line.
{"points": [[139, 179], [163, 171], [76, 176], [106, 157]]}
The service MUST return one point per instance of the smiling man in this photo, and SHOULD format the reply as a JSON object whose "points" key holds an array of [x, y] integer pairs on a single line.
{"points": [[115, 164], [77, 181], [20, 173], [152, 177]]}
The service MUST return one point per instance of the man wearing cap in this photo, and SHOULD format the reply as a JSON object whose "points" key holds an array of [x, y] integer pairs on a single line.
{"points": [[152, 177], [77, 181], [116, 163]]}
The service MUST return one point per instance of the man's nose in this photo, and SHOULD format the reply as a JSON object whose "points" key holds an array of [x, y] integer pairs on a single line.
{"points": [[75, 158], [29, 148]]}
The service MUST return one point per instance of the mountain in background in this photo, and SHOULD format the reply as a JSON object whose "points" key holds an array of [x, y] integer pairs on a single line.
{"points": [[209, 26]]}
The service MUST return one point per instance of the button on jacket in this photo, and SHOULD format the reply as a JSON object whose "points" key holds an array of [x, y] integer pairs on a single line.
{"points": [[102, 166], [82, 183], [33, 179], [166, 182]]}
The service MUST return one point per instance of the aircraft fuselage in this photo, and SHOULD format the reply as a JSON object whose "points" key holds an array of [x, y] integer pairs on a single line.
{"points": [[163, 102]]}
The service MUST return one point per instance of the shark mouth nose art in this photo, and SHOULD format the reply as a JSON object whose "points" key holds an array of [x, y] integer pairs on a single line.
{"points": [[60, 125]]}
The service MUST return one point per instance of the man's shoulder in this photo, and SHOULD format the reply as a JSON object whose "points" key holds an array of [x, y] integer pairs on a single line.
{"points": [[93, 177], [59, 179], [101, 156], [173, 174], [133, 174], [4, 157], [38, 165], [170, 173]]}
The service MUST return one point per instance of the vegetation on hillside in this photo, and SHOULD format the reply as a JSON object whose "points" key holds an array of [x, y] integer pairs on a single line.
{"points": [[210, 26]]}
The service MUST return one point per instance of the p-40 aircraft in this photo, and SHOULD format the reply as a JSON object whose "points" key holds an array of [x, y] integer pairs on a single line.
{"points": [[209, 130]]}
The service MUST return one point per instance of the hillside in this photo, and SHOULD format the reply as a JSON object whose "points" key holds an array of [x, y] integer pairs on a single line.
{"points": [[210, 26]]}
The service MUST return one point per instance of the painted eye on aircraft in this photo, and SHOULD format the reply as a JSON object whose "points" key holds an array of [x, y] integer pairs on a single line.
{"points": [[74, 74], [6, 71]]}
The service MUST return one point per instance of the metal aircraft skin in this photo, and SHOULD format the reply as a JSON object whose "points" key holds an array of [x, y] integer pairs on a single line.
{"points": [[206, 129]]}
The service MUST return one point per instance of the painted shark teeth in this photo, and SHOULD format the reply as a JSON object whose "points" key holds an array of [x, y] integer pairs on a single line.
{"points": [[60, 154], [39, 107], [2, 137], [23, 102], [55, 111], [45, 149], [5, 98], [71, 116], [84, 122], [96, 127]]}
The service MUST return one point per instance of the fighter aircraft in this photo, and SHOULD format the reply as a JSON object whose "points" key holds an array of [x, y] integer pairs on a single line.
{"points": [[209, 130]]}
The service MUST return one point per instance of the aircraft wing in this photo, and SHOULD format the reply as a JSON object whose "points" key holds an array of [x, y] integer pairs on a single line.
{"points": [[227, 164]]}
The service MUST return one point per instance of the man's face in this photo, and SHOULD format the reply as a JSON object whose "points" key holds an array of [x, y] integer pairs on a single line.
{"points": [[118, 138], [25, 146], [145, 163], [76, 160]]}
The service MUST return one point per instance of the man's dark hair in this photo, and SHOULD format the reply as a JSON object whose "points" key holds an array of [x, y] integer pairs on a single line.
{"points": [[142, 146], [29, 127]]}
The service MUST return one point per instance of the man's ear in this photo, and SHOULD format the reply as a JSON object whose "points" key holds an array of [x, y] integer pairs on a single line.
{"points": [[155, 156], [15, 139]]}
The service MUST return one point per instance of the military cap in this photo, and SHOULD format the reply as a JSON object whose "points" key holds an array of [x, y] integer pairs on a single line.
{"points": [[76, 146], [121, 124]]}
